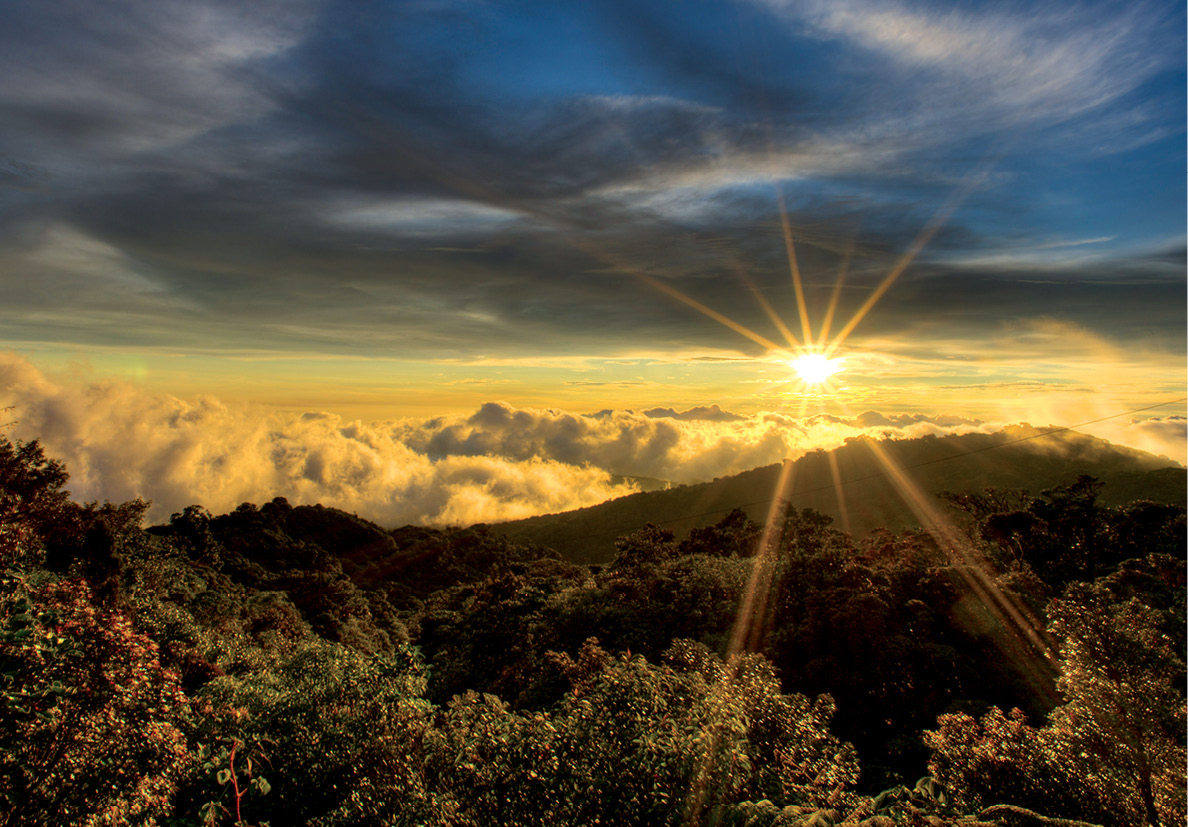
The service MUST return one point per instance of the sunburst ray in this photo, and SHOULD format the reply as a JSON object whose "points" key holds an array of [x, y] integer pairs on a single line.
{"points": [[1023, 640], [749, 621], [835, 296], [797, 283], [938, 220], [840, 491]]}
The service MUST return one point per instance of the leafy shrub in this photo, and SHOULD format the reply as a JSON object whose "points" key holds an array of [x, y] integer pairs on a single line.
{"points": [[90, 723], [341, 731], [1113, 752], [636, 743]]}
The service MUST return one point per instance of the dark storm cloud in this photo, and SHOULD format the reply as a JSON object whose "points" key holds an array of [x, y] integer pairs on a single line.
{"points": [[1126, 298], [453, 178]]}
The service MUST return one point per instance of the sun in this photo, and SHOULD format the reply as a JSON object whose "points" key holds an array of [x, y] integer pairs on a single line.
{"points": [[815, 368]]}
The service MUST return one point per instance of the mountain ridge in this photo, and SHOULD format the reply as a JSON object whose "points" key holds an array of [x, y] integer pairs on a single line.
{"points": [[1019, 456]]}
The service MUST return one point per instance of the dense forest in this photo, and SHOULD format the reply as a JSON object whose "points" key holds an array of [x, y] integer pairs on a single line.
{"points": [[293, 665]]}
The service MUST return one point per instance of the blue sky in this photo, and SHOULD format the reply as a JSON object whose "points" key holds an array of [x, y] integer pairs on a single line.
{"points": [[194, 193]]}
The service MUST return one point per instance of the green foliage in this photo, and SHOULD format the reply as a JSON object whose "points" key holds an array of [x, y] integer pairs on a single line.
{"points": [[490, 637], [494, 766], [191, 530], [1003, 759], [1066, 534], [635, 743], [874, 627], [254, 549], [237, 781], [31, 485], [733, 536], [1125, 715], [340, 730], [411, 563], [901, 803], [20, 547], [650, 545], [91, 726], [251, 668], [1113, 752]]}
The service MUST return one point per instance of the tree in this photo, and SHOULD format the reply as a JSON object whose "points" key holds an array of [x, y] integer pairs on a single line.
{"points": [[31, 485], [649, 545], [1113, 751], [1065, 534], [684, 742], [341, 732], [1002, 759], [91, 725], [735, 535], [1125, 713]]}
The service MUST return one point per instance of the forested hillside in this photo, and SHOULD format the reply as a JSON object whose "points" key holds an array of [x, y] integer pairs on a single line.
{"points": [[298, 665], [856, 486]]}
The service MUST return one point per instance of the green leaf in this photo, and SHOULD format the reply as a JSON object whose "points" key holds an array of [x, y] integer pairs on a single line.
{"points": [[887, 797], [224, 776], [209, 812], [821, 818]]}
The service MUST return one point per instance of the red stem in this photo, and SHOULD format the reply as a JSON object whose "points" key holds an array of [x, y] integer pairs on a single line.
{"points": [[235, 781]]}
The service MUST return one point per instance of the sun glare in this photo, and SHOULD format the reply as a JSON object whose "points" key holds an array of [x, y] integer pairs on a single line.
{"points": [[815, 368]]}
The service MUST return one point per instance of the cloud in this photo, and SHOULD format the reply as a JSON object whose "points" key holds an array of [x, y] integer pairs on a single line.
{"points": [[1047, 65], [455, 184], [119, 443], [1165, 436], [89, 82], [209, 174], [712, 413], [499, 463], [874, 419], [422, 217]]}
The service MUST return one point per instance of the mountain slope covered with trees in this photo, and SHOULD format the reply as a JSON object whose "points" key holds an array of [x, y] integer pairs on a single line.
{"points": [[856, 485], [299, 665]]}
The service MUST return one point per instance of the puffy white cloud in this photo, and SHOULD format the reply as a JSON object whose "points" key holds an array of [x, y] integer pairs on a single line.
{"points": [[119, 442], [499, 463], [1161, 435]]}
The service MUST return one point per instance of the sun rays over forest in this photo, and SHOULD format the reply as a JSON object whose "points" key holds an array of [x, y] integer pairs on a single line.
{"points": [[732, 413]]}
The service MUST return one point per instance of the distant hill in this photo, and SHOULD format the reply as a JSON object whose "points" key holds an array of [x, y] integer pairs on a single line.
{"points": [[1017, 457]]}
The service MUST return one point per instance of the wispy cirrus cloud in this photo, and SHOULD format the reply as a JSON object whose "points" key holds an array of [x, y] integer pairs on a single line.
{"points": [[76, 87], [1040, 64]]}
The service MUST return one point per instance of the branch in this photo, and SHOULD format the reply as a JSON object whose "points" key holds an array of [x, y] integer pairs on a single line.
{"points": [[1013, 816]]}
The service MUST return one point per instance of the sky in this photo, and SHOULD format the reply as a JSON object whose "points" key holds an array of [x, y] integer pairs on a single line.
{"points": [[442, 260]]}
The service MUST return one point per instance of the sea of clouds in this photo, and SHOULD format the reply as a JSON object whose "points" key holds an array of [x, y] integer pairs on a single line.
{"points": [[120, 442]]}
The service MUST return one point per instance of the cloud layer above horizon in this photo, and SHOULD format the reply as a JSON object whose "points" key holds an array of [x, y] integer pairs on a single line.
{"points": [[498, 463]]}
